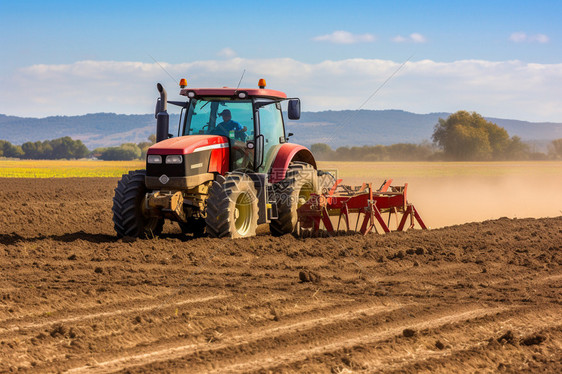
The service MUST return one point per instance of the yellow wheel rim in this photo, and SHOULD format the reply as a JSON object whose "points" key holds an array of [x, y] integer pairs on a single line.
{"points": [[304, 194], [243, 214]]}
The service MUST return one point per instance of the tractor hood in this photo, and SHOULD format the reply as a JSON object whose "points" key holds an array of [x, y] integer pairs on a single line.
{"points": [[203, 156], [184, 145]]}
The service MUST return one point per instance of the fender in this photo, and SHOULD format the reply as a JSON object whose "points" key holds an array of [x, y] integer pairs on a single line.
{"points": [[286, 154]]}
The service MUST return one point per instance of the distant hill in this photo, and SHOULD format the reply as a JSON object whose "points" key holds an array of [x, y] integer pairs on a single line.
{"points": [[372, 127], [95, 130], [336, 128]]}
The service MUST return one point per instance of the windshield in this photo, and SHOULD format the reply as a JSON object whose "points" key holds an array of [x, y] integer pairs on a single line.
{"points": [[220, 117]]}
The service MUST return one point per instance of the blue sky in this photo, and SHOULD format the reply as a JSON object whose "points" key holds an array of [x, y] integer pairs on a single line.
{"points": [[466, 55]]}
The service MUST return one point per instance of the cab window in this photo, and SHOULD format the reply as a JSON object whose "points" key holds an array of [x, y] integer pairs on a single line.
{"points": [[204, 116], [271, 127]]}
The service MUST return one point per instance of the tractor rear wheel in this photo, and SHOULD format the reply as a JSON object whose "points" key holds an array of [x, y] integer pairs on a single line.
{"points": [[128, 208], [300, 181], [232, 207]]}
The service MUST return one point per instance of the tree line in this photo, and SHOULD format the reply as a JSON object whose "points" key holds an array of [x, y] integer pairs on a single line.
{"points": [[61, 148], [126, 151], [463, 136], [68, 148]]}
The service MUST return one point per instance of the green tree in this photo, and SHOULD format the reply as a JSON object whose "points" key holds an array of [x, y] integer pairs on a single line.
{"points": [[7, 149], [517, 150], [37, 150], [145, 145], [555, 148], [468, 136], [133, 148], [59, 148], [394, 152], [320, 149], [99, 150], [125, 152], [376, 153], [68, 148]]}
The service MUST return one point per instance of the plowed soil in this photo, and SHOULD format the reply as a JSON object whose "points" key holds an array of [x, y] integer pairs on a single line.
{"points": [[477, 297]]}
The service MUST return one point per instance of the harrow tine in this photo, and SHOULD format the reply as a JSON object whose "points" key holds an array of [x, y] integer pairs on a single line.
{"points": [[394, 211], [418, 218], [344, 211], [384, 187]]}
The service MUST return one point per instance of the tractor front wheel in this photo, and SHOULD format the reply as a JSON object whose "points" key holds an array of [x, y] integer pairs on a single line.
{"points": [[232, 207], [128, 208]]}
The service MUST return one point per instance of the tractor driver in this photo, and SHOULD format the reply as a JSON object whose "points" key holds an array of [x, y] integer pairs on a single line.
{"points": [[228, 125]]}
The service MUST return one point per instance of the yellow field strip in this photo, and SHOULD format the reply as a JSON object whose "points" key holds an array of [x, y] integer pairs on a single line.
{"points": [[10, 168], [66, 168]]}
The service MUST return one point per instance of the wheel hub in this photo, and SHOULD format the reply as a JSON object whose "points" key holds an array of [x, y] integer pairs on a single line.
{"points": [[243, 214]]}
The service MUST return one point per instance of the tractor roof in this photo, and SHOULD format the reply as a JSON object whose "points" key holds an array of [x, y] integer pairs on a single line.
{"points": [[230, 92]]}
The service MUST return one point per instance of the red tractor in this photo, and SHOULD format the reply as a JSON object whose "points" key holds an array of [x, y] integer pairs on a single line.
{"points": [[230, 169]]}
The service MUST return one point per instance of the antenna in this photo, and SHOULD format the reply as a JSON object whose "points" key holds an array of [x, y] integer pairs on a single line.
{"points": [[355, 113], [162, 67], [240, 81], [385, 82]]}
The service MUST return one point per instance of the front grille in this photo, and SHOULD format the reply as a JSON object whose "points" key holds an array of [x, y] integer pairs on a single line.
{"points": [[181, 170]]}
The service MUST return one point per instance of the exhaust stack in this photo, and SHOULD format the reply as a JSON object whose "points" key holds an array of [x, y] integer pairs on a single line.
{"points": [[162, 116]]}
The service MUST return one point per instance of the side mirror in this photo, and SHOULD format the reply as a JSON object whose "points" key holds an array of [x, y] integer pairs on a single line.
{"points": [[294, 109]]}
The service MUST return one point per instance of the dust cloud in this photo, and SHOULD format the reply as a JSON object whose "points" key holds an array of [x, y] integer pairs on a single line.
{"points": [[447, 201]]}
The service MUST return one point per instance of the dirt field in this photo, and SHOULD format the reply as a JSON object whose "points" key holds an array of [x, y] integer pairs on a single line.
{"points": [[477, 297]]}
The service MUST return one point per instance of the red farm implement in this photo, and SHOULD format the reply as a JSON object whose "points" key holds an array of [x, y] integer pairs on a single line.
{"points": [[368, 205]]}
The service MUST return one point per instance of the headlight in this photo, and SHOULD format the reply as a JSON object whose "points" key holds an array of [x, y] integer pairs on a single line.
{"points": [[174, 159], [154, 159]]}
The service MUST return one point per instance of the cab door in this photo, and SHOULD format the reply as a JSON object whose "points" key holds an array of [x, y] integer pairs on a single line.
{"points": [[272, 130]]}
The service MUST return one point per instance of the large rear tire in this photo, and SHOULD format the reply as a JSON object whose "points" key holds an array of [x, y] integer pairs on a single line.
{"points": [[128, 208], [232, 207], [300, 181]]}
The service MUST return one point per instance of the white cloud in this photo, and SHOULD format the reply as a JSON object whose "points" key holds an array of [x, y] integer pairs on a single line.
{"points": [[541, 38], [414, 38], [518, 37], [509, 89], [345, 37], [522, 37], [227, 53], [417, 38]]}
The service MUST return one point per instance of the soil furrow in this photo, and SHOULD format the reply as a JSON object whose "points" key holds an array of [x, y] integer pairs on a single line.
{"points": [[26, 326], [73, 297], [229, 341]]}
